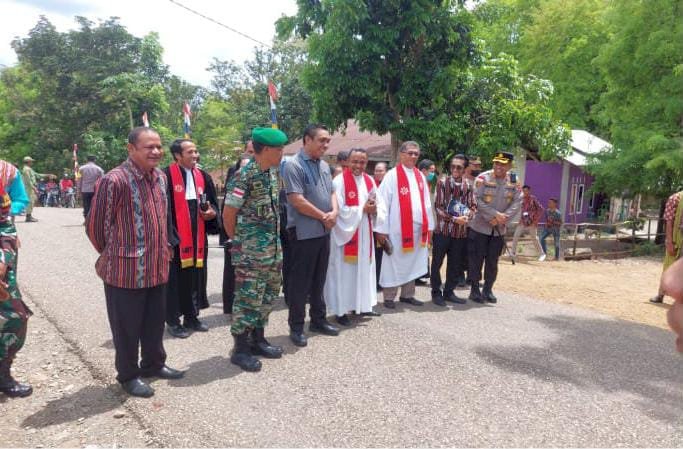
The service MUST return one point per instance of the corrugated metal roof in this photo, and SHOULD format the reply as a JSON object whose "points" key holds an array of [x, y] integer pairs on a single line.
{"points": [[378, 147], [585, 144]]}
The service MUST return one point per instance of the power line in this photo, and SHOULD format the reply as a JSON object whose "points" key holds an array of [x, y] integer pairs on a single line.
{"points": [[219, 23]]}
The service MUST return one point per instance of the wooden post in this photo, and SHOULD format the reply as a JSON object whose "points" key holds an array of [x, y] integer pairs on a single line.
{"points": [[649, 222], [576, 233]]}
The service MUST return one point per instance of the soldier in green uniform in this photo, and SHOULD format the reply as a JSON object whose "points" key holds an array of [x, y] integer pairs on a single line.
{"points": [[14, 313], [251, 219], [498, 199]]}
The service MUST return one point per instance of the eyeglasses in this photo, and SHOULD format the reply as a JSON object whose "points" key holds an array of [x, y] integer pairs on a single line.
{"points": [[458, 167], [413, 153]]}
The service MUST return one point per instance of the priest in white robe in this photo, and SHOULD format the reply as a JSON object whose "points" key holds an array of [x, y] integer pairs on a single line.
{"points": [[405, 192], [351, 277]]}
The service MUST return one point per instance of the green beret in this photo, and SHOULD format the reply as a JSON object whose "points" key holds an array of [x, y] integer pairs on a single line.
{"points": [[270, 137]]}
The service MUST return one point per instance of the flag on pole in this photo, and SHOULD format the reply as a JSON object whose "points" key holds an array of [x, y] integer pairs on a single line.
{"points": [[272, 95], [145, 120], [187, 113], [77, 174]]}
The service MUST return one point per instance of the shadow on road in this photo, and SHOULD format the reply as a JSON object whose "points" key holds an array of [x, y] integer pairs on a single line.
{"points": [[86, 402], [607, 355]]}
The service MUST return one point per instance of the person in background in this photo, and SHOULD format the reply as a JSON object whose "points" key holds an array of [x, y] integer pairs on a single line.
{"points": [[342, 163], [553, 225], [228, 290], [673, 235], [378, 175], [30, 178], [532, 211], [428, 170], [90, 173]]}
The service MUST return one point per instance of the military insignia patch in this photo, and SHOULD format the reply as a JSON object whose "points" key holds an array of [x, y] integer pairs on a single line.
{"points": [[239, 193]]}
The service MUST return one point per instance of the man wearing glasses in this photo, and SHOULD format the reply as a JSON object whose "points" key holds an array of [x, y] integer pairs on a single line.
{"points": [[405, 193], [454, 206]]}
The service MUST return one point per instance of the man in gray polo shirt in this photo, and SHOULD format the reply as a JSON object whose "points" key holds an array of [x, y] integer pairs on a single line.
{"points": [[311, 213], [89, 174]]}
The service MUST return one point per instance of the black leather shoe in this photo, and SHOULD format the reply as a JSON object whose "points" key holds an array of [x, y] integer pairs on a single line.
{"points": [[420, 281], [14, 389], [136, 387], [167, 372], [411, 301], [241, 354], [324, 328], [344, 320], [261, 346], [371, 313], [489, 296], [450, 297], [298, 338], [389, 304], [196, 325], [437, 298], [475, 295], [177, 331]]}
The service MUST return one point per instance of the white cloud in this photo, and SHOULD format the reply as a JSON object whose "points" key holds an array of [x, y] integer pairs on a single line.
{"points": [[189, 41]]}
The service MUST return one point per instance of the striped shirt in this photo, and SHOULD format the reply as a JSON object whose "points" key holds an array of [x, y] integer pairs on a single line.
{"points": [[128, 226], [448, 189]]}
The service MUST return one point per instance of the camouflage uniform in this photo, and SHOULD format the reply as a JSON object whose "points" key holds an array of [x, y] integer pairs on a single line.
{"points": [[14, 313], [256, 251]]}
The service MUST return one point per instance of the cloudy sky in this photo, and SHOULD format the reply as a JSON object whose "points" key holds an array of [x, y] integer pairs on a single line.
{"points": [[189, 41]]}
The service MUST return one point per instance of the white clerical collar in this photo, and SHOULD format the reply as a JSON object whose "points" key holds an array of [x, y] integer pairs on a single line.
{"points": [[190, 192]]}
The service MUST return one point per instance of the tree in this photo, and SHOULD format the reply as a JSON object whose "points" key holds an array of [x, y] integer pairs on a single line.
{"points": [[414, 69], [642, 65]]}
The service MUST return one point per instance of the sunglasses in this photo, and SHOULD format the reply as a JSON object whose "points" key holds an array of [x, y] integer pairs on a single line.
{"points": [[458, 167]]}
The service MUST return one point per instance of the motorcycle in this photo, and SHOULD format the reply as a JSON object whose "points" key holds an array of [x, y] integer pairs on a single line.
{"points": [[69, 198]]}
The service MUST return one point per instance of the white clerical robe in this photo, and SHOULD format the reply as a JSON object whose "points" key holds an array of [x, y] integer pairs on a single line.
{"points": [[352, 286], [402, 267]]}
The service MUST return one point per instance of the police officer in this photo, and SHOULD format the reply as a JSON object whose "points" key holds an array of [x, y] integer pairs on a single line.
{"points": [[498, 200], [251, 218]]}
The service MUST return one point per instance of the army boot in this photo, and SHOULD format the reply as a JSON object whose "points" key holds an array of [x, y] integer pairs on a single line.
{"points": [[9, 386], [260, 346], [241, 354]]}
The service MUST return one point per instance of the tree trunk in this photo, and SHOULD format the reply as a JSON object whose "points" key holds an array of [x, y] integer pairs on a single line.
{"points": [[659, 237], [394, 149], [130, 115]]}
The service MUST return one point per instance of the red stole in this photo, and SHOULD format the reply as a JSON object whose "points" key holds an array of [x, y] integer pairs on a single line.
{"points": [[406, 209], [351, 199], [182, 217]]}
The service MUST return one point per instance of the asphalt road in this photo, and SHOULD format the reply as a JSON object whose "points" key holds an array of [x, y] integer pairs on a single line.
{"points": [[521, 373]]}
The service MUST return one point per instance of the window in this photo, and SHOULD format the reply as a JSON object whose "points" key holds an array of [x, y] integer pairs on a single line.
{"points": [[579, 199], [572, 199]]}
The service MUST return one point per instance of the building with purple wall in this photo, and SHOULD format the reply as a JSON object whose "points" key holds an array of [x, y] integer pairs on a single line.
{"points": [[567, 180]]}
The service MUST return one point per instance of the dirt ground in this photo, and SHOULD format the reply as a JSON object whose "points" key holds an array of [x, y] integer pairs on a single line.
{"points": [[620, 287]]}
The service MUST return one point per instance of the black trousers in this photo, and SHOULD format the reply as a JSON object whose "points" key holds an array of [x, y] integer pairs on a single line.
{"points": [[482, 249], [455, 251], [306, 273], [136, 318], [87, 201], [286, 262], [379, 252], [228, 281]]}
